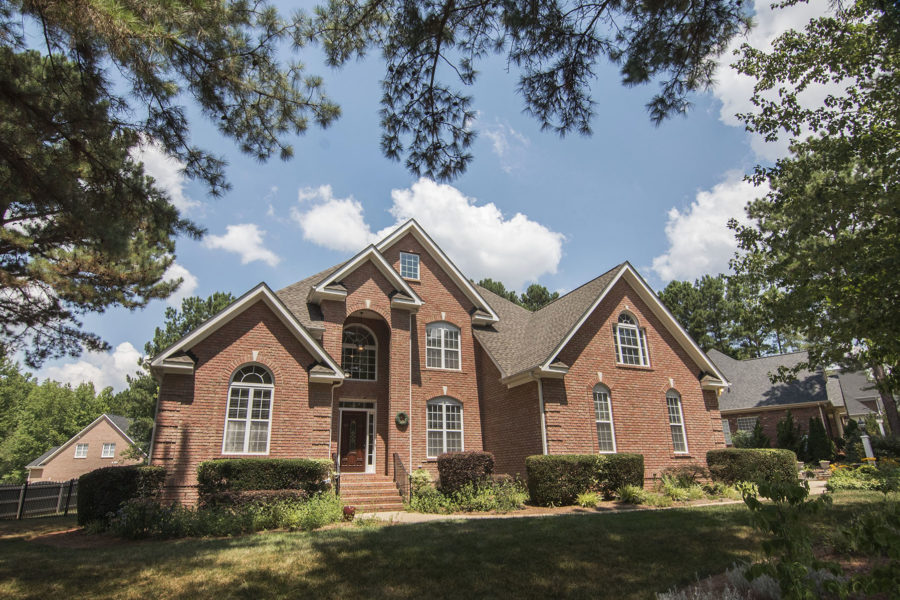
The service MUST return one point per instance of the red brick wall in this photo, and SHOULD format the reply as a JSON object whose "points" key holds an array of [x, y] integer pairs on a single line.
{"points": [[191, 412], [637, 394], [769, 420], [64, 466], [510, 418]]}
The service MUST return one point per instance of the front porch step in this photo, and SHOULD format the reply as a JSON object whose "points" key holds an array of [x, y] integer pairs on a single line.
{"points": [[370, 492]]}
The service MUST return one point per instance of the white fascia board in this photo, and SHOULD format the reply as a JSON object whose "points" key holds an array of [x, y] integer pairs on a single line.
{"points": [[444, 261], [369, 253], [260, 292]]}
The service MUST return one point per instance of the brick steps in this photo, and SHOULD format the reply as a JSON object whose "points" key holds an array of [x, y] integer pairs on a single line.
{"points": [[370, 493]]}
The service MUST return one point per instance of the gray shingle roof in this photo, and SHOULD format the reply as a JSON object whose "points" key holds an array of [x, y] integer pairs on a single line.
{"points": [[37, 462], [856, 386], [751, 387], [523, 340], [121, 422], [294, 297]]}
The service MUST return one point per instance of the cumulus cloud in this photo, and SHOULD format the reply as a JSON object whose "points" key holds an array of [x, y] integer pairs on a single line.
{"points": [[735, 90], [103, 369], [478, 238], [699, 240], [166, 170], [508, 144], [187, 287], [245, 240]]}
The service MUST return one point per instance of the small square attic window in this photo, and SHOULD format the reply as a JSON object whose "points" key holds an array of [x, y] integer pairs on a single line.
{"points": [[409, 265]]}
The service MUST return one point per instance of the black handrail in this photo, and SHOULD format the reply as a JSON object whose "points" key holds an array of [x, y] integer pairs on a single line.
{"points": [[337, 474], [401, 477]]}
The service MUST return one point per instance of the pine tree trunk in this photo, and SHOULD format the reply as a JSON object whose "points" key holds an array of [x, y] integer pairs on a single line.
{"points": [[887, 399]]}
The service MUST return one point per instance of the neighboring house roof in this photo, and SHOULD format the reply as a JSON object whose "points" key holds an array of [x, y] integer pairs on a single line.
{"points": [[752, 388], [855, 386], [118, 422]]}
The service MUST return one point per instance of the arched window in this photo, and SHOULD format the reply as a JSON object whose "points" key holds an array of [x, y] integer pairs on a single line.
{"points": [[444, 426], [359, 353], [631, 342], [248, 422], [442, 346], [676, 422], [606, 434]]}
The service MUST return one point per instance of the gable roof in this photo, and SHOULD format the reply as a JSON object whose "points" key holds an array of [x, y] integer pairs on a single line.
{"points": [[524, 341], [751, 387], [854, 387], [118, 422], [167, 360], [467, 287]]}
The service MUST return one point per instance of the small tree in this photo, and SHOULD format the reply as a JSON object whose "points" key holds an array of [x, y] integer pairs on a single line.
{"points": [[818, 445], [787, 436], [758, 439], [852, 442]]}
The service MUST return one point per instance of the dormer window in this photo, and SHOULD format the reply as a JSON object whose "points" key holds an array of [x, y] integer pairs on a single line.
{"points": [[409, 266], [631, 342]]}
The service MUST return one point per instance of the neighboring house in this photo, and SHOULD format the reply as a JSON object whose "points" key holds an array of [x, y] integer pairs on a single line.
{"points": [[100, 444], [386, 361], [834, 397]]}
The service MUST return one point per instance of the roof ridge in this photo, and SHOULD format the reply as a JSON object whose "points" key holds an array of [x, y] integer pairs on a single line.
{"points": [[570, 292], [765, 357]]}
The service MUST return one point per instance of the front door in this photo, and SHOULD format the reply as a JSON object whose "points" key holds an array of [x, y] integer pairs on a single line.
{"points": [[353, 441]]}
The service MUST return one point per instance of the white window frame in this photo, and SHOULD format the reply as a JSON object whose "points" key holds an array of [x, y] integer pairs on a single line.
{"points": [[248, 419], [602, 390], [81, 450], [640, 336], [444, 327], [109, 450], [444, 402], [747, 424], [726, 431], [673, 395], [408, 261], [373, 347]]}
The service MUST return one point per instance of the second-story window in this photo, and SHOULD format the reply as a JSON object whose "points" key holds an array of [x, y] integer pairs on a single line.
{"points": [[631, 342], [359, 354], [409, 265], [442, 346]]}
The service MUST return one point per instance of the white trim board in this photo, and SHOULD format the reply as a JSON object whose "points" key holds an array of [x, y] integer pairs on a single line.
{"points": [[319, 291]]}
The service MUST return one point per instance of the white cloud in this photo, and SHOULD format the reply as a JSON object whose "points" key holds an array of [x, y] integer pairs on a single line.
{"points": [[102, 369], [477, 238], [187, 287], [508, 144], [735, 90], [166, 170], [699, 240], [246, 240]]}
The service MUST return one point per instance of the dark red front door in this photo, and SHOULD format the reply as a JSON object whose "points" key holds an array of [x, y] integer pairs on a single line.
{"points": [[353, 441]]}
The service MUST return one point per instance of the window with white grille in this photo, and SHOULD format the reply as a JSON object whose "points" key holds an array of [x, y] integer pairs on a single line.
{"points": [[109, 451], [631, 342], [444, 426], [442, 346], [606, 435], [409, 265], [676, 422], [248, 421]]}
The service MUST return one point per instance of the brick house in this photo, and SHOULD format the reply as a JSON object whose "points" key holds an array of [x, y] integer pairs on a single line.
{"points": [[393, 357], [100, 444], [832, 396]]}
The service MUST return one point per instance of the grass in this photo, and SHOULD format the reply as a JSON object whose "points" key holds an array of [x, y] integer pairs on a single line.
{"points": [[626, 555]]}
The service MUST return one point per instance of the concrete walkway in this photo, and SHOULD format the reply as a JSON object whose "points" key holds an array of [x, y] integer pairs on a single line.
{"points": [[816, 488]]}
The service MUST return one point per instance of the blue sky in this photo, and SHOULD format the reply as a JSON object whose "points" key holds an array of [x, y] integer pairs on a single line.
{"points": [[531, 207]]}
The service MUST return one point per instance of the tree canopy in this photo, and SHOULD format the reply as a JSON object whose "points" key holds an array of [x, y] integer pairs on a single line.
{"points": [[827, 235], [433, 49], [534, 298]]}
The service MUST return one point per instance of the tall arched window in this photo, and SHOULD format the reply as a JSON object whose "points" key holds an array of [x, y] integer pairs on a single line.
{"points": [[444, 426], [442, 346], [248, 422], [359, 353], [606, 434], [676, 422], [631, 342]]}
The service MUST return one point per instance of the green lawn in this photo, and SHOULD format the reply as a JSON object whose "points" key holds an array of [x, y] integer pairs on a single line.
{"points": [[626, 555]]}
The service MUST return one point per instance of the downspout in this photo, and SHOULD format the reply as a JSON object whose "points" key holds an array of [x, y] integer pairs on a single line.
{"points": [[409, 408], [540, 384]]}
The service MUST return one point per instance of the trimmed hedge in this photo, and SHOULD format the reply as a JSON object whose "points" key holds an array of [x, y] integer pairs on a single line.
{"points": [[238, 499], [103, 491], [731, 465], [557, 479], [250, 474], [456, 469]]}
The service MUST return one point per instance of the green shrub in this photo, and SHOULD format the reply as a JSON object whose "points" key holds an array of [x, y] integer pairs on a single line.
{"points": [[246, 474], [818, 445], [884, 478], [419, 480], [103, 491], [587, 499], [787, 436], [631, 494], [242, 498], [717, 489], [503, 495], [731, 465], [886, 446], [556, 480], [753, 439], [654, 499], [430, 500], [685, 475], [458, 469]]}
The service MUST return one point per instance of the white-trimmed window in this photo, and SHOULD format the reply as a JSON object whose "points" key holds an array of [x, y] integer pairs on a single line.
{"points": [[444, 426], [409, 265], [359, 353], [676, 422], [726, 430], [248, 422], [442, 346], [631, 342], [746, 423], [606, 434], [109, 451], [81, 450]]}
